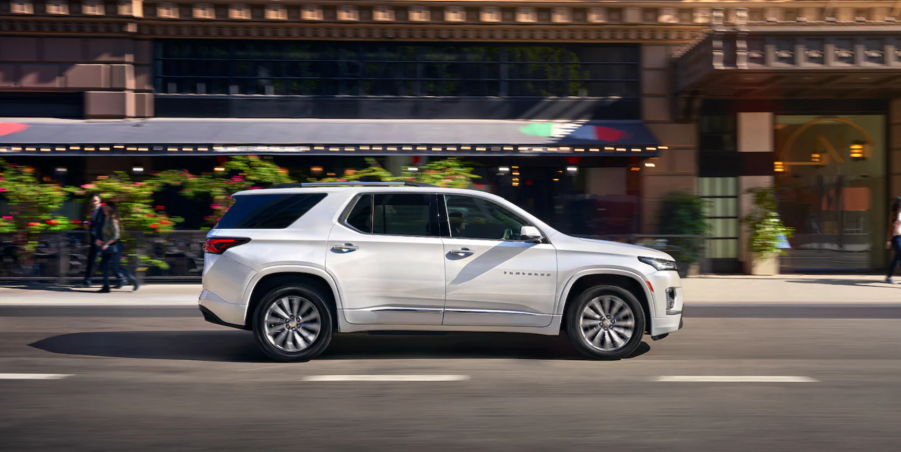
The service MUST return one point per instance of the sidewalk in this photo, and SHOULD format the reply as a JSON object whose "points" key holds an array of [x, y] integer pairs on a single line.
{"points": [[700, 291]]}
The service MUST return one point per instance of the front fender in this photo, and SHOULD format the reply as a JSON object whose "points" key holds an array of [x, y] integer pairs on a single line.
{"points": [[619, 271]]}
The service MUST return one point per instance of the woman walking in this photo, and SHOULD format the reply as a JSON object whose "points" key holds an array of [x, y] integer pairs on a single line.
{"points": [[894, 235], [112, 248]]}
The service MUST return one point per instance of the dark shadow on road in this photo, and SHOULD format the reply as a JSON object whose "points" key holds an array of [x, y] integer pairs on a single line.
{"points": [[238, 346], [45, 287], [845, 282]]}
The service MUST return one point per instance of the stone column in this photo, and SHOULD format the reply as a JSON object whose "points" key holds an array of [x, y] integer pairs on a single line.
{"points": [[677, 168], [755, 134]]}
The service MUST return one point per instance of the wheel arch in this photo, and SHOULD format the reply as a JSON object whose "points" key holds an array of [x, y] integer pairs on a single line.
{"points": [[626, 280], [273, 277]]}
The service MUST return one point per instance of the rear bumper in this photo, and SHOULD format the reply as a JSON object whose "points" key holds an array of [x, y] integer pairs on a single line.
{"points": [[218, 311]]}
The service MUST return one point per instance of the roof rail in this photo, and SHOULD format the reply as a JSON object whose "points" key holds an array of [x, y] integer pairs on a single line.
{"points": [[356, 183]]}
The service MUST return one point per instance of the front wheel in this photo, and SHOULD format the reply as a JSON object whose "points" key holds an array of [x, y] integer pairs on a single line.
{"points": [[605, 322], [292, 323]]}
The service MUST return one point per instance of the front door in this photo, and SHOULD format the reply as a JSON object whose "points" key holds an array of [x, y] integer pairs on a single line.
{"points": [[492, 277], [388, 260]]}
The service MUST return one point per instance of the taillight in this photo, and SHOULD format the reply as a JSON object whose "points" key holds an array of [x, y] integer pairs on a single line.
{"points": [[218, 245]]}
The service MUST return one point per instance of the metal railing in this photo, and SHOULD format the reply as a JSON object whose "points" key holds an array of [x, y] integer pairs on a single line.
{"points": [[63, 256]]}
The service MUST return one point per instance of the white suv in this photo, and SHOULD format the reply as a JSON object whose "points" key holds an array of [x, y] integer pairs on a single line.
{"points": [[300, 263]]}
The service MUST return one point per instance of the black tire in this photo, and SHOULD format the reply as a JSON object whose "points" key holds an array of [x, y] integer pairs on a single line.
{"points": [[584, 344], [284, 353]]}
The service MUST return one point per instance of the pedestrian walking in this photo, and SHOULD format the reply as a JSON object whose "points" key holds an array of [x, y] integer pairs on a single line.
{"points": [[111, 249], [894, 238], [96, 227]]}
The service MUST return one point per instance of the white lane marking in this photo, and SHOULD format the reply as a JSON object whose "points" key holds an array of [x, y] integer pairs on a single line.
{"points": [[738, 379], [386, 378], [34, 376]]}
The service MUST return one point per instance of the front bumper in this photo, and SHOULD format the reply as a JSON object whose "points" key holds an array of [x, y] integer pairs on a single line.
{"points": [[666, 319]]}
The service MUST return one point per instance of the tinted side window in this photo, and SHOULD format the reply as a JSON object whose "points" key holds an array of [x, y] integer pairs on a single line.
{"points": [[276, 211], [402, 214], [360, 217], [476, 218]]}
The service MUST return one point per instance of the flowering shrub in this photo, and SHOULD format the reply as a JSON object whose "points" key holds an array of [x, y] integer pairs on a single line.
{"points": [[7, 224], [240, 173], [450, 173], [31, 203]]}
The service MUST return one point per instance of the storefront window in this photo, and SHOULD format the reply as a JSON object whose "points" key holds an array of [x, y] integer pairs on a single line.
{"points": [[832, 190]]}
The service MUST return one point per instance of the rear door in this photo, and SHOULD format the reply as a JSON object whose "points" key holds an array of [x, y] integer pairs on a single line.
{"points": [[388, 260], [493, 278]]}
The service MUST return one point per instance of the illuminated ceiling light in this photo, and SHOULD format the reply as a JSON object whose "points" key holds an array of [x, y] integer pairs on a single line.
{"points": [[45, 149], [88, 149], [480, 149], [635, 168], [421, 148], [466, 148], [504, 169], [652, 149], [392, 148], [413, 169], [516, 173], [118, 146], [137, 170], [620, 149], [334, 149], [608, 148], [649, 165], [376, 148], [436, 149], [16, 148], [104, 149], [319, 148], [74, 148], [330, 174], [31, 149], [408, 148], [142, 149], [61, 170], [508, 148], [132, 149], [219, 169], [183, 149], [60, 149], [514, 167], [565, 149], [168, 149], [636, 149], [663, 148], [349, 149], [594, 150], [316, 170], [218, 148], [779, 167], [572, 169], [815, 157], [516, 184], [451, 148], [199, 149], [556, 180]]}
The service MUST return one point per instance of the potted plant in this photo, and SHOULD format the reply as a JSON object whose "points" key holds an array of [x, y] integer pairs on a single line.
{"points": [[682, 214], [767, 233]]}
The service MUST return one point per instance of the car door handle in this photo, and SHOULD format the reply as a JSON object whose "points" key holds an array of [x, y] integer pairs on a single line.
{"points": [[463, 252], [346, 248]]}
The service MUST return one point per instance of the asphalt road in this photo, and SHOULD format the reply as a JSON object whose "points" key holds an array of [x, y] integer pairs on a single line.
{"points": [[163, 379]]}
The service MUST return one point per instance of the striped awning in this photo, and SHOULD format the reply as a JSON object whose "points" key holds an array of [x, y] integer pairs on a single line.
{"points": [[319, 136]]}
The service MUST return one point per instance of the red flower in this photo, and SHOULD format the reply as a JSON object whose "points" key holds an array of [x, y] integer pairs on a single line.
{"points": [[52, 222], [154, 225], [165, 222], [34, 224], [76, 221], [160, 207], [149, 215]]}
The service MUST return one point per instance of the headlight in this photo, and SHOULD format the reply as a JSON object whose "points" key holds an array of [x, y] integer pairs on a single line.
{"points": [[659, 264]]}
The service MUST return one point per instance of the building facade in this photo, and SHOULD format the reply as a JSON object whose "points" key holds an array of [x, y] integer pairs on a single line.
{"points": [[603, 107]]}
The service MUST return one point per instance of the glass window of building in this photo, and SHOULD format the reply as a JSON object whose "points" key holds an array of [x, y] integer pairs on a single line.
{"points": [[721, 211], [251, 67], [832, 190]]}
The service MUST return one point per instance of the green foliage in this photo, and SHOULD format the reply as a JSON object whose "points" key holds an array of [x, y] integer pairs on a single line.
{"points": [[134, 201], [449, 173], [683, 214], [239, 173], [766, 227], [31, 203]]}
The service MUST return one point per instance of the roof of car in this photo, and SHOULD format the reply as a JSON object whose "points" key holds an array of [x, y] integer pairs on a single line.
{"points": [[355, 188]]}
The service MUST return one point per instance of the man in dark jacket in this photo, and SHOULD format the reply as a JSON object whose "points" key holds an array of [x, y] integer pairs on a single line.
{"points": [[98, 218]]}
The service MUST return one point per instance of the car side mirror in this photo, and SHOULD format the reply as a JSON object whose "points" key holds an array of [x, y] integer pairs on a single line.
{"points": [[530, 234]]}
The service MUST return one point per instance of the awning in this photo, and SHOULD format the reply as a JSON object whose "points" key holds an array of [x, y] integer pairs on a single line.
{"points": [[276, 136]]}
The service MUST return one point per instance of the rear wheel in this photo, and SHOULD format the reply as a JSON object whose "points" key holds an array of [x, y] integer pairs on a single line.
{"points": [[605, 322], [292, 323]]}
